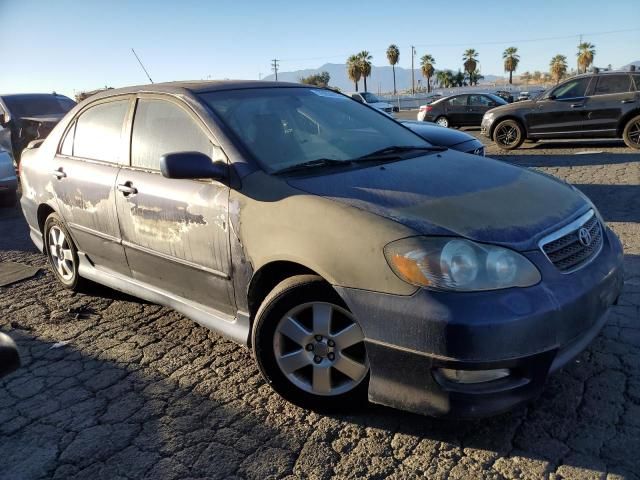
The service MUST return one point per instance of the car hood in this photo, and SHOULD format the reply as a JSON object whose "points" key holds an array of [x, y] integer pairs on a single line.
{"points": [[509, 107], [445, 137], [453, 193]]}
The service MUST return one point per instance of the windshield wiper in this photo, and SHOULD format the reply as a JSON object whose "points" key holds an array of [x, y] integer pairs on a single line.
{"points": [[318, 162], [394, 150]]}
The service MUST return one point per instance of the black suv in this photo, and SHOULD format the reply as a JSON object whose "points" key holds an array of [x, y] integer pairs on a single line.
{"points": [[596, 105]]}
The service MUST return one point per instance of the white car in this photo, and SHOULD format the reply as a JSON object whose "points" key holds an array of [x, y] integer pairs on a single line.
{"points": [[370, 99]]}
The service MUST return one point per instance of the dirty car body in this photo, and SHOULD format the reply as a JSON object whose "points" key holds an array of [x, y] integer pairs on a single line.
{"points": [[30, 116], [349, 253]]}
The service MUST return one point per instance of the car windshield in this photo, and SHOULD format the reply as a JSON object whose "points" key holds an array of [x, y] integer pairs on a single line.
{"points": [[370, 97], [38, 105], [288, 126]]}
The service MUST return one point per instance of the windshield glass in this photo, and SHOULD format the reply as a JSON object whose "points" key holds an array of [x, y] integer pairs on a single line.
{"points": [[284, 127], [370, 97], [38, 105]]}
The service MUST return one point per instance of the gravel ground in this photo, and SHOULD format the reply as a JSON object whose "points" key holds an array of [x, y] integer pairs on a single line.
{"points": [[112, 387]]}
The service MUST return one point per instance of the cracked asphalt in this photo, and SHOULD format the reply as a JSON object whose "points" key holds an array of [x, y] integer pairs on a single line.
{"points": [[115, 388]]}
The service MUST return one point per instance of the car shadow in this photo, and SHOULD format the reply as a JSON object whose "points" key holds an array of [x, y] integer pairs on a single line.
{"points": [[573, 160]]}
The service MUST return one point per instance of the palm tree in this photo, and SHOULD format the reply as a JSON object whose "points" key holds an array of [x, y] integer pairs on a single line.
{"points": [[558, 67], [365, 66], [586, 52], [470, 57], [353, 69], [511, 60], [458, 79], [445, 78], [393, 55], [427, 61]]}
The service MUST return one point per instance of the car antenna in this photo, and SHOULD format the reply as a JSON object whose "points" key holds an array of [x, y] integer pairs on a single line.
{"points": [[140, 62]]}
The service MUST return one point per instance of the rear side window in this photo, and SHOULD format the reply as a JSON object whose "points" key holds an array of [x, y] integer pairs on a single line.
{"points": [[612, 84], [162, 127], [479, 100], [636, 79], [98, 133]]}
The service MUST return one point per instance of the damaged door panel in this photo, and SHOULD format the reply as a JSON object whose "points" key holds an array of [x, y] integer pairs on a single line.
{"points": [[175, 232], [83, 177]]}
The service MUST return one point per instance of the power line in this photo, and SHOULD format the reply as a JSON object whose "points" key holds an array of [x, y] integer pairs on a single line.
{"points": [[274, 67], [466, 44]]}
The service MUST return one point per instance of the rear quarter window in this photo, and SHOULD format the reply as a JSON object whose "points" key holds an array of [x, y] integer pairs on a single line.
{"points": [[608, 84]]}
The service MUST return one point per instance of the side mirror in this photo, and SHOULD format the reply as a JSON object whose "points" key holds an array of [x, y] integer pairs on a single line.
{"points": [[551, 97], [191, 165], [9, 358]]}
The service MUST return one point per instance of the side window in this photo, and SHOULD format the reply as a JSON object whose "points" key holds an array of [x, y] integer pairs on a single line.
{"points": [[457, 101], [612, 84], [67, 144], [636, 79], [162, 127], [98, 132], [479, 101], [572, 89]]}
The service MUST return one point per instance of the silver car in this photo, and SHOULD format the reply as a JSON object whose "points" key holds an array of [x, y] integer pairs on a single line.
{"points": [[8, 179]]}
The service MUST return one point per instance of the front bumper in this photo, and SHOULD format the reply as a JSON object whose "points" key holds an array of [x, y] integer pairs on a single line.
{"points": [[531, 331], [485, 126]]}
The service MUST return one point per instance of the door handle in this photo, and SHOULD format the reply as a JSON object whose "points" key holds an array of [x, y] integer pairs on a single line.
{"points": [[577, 105], [127, 189], [628, 101], [59, 173]]}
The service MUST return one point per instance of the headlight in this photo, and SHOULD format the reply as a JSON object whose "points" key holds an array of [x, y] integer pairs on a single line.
{"points": [[446, 263]]}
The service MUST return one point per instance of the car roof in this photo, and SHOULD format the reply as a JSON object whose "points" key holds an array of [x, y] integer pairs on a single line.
{"points": [[25, 96], [195, 87]]}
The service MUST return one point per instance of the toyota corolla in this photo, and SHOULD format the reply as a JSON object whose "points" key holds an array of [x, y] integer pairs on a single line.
{"points": [[354, 258]]}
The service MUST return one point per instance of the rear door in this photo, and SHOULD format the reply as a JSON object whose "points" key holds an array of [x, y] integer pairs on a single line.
{"points": [[456, 109], [84, 176], [561, 113], [609, 98], [175, 232]]}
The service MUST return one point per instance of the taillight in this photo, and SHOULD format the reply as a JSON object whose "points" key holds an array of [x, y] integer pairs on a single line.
{"points": [[429, 108]]}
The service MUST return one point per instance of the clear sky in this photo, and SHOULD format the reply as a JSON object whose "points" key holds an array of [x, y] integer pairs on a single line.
{"points": [[69, 46]]}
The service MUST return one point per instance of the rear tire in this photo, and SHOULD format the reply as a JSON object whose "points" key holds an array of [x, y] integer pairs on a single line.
{"points": [[304, 339], [442, 121], [62, 254], [631, 133], [508, 135]]}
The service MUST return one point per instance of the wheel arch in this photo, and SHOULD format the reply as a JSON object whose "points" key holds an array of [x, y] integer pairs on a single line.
{"points": [[624, 119], [44, 210]]}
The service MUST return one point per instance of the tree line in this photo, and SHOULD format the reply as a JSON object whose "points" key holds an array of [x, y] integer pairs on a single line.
{"points": [[359, 67]]}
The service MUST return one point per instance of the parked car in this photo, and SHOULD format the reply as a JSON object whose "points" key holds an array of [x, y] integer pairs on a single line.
{"points": [[505, 95], [459, 110], [370, 99], [30, 116], [523, 96], [602, 105], [352, 256], [8, 180], [446, 137]]}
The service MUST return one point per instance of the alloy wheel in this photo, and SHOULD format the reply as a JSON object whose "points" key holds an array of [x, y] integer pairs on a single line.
{"points": [[634, 133], [443, 122], [507, 135], [319, 347], [61, 254]]}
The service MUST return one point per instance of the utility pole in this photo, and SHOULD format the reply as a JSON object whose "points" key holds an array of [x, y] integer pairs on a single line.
{"points": [[413, 77], [274, 67], [140, 62]]}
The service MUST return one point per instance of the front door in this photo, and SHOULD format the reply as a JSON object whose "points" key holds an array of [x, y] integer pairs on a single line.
{"points": [[607, 101], [561, 112], [83, 178], [175, 232]]}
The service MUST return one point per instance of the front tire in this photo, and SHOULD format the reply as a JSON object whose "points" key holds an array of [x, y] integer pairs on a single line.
{"points": [[442, 121], [508, 135], [631, 133], [309, 347], [62, 253]]}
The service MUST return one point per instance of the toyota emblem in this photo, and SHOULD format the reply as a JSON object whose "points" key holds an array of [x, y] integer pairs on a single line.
{"points": [[584, 236]]}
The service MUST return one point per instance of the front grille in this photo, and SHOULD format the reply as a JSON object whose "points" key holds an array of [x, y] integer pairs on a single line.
{"points": [[568, 252]]}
